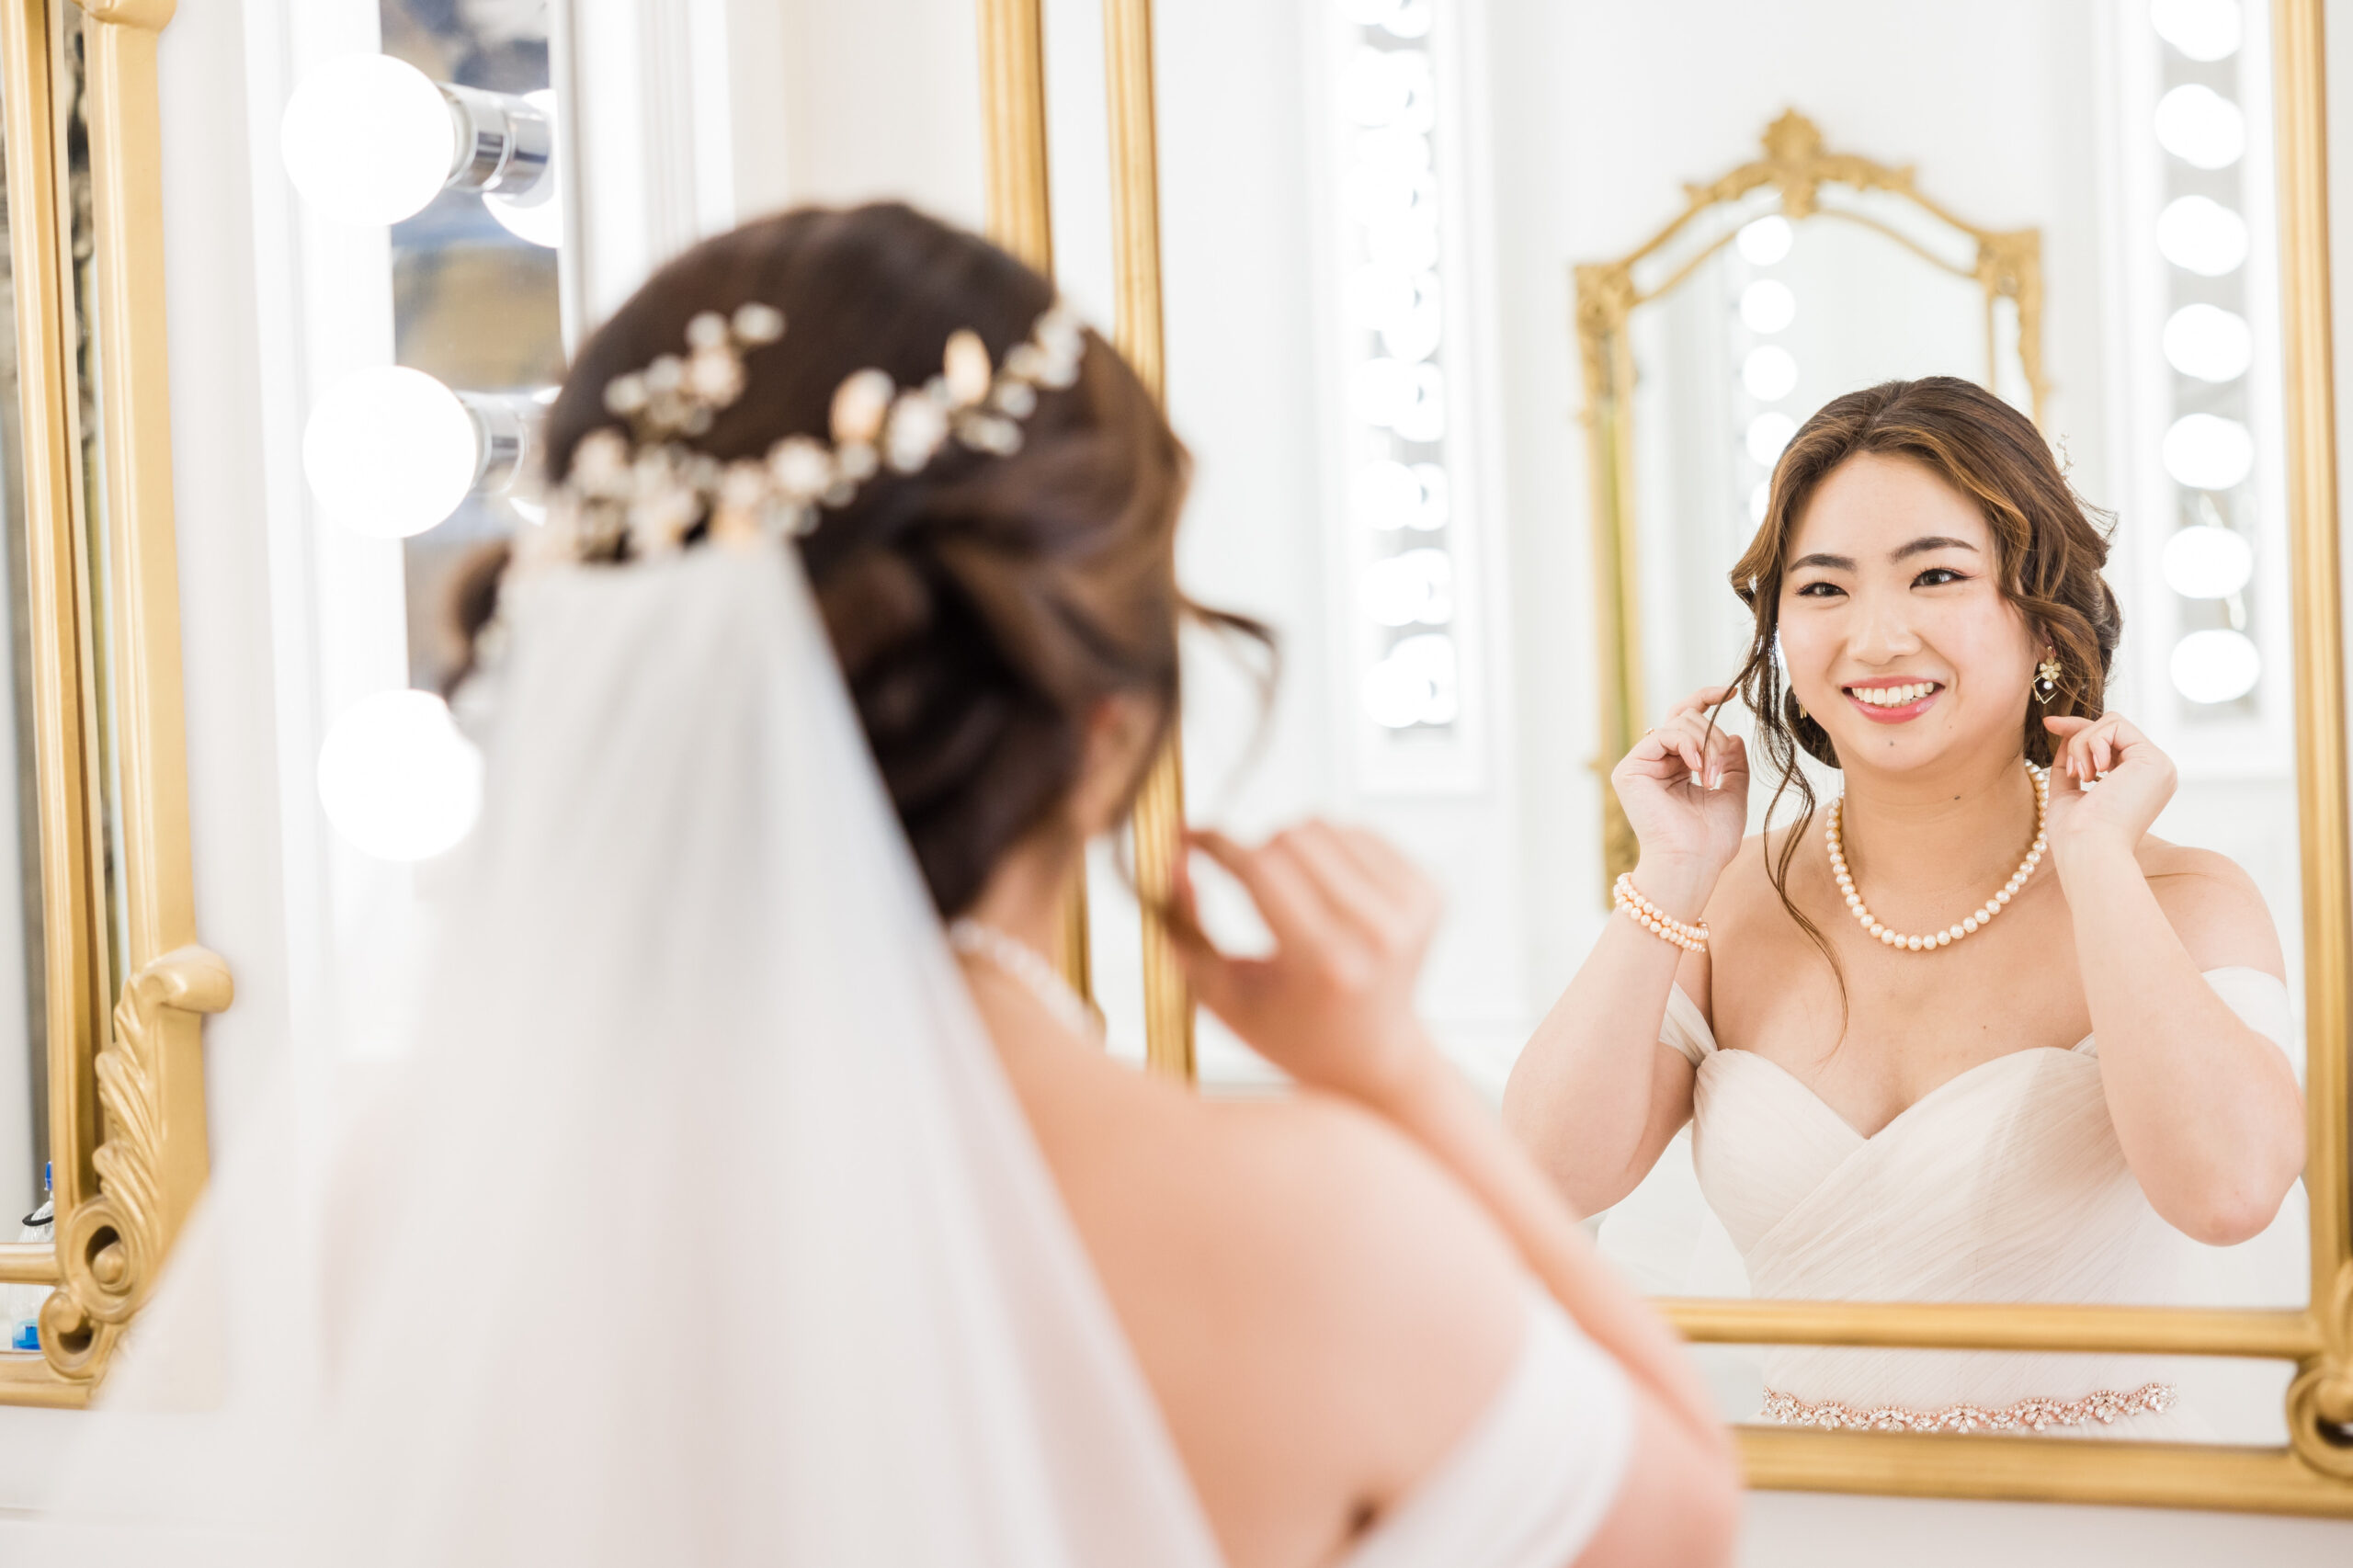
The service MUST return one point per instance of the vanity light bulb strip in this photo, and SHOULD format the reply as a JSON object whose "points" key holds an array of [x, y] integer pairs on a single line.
{"points": [[1656, 921], [1982, 915]]}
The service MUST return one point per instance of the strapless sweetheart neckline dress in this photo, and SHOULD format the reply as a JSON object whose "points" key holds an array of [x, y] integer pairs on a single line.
{"points": [[2005, 1183]]}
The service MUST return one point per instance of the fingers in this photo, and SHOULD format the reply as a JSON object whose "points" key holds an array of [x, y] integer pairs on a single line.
{"points": [[1275, 883], [1323, 886], [1706, 750]]}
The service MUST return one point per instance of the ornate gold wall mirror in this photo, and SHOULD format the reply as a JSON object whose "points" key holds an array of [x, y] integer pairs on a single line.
{"points": [[1716, 325], [101, 983], [1388, 179]]}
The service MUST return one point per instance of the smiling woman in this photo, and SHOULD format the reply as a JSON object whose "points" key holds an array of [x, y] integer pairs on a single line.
{"points": [[2050, 1112]]}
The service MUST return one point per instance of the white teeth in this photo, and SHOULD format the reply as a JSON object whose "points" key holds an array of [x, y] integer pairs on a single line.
{"points": [[1892, 695]]}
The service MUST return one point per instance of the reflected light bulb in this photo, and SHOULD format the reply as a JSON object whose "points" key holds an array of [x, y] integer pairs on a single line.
{"points": [[1770, 373], [1768, 433], [1415, 685], [2208, 343], [2200, 127], [1760, 501], [1765, 241], [390, 451], [2205, 452], [2202, 236], [368, 139], [2201, 29], [2207, 563], [397, 779], [1767, 305], [2215, 666]]}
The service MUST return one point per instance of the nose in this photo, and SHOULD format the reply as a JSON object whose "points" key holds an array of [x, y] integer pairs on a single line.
{"points": [[1880, 632]]}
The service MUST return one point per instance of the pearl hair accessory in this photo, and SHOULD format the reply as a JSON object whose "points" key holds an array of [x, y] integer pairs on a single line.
{"points": [[1028, 968], [1656, 921], [639, 495], [1982, 915]]}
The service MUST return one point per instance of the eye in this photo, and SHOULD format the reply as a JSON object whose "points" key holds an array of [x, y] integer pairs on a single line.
{"points": [[1936, 577], [1819, 590]]}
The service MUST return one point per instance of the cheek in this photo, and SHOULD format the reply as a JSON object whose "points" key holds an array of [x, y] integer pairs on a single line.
{"points": [[1986, 643]]}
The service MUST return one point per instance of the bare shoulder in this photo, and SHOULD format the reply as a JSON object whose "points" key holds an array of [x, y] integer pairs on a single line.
{"points": [[1344, 1215], [2213, 905], [1320, 1309]]}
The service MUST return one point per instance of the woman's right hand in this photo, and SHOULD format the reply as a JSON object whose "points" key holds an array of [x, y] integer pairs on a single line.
{"points": [[1332, 1004], [1685, 791]]}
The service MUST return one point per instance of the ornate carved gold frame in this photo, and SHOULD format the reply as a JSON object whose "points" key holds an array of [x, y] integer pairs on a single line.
{"points": [[2314, 1473], [2007, 266], [126, 1081]]}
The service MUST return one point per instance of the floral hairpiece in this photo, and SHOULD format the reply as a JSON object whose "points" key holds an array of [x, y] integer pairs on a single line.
{"points": [[643, 492]]}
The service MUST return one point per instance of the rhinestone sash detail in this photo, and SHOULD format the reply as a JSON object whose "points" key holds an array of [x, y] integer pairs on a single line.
{"points": [[2103, 1405]]}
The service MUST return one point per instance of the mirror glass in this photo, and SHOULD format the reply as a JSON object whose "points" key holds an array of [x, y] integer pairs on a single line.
{"points": [[1374, 228], [25, 1212]]}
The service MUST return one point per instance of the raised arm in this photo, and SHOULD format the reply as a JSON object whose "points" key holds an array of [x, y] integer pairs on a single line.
{"points": [[1594, 1096], [2206, 1109], [1333, 1005]]}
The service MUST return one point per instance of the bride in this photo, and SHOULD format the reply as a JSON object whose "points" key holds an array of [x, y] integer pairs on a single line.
{"points": [[718, 1216], [1972, 1033]]}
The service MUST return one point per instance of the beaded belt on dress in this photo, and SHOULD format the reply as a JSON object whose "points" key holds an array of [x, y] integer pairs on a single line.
{"points": [[2103, 1405]]}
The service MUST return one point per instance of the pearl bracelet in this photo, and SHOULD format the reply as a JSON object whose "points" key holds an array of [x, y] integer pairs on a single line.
{"points": [[1656, 921]]}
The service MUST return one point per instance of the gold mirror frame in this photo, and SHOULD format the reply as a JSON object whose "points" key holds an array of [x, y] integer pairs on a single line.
{"points": [[2313, 1474], [2007, 266], [126, 1073]]}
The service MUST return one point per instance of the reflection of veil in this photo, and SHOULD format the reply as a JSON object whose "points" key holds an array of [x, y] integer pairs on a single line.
{"points": [[702, 1226]]}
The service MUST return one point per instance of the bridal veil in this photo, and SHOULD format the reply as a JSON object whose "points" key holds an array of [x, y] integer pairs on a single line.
{"points": [[700, 1224]]}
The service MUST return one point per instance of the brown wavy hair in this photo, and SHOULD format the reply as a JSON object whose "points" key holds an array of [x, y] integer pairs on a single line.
{"points": [[980, 608], [2049, 546]]}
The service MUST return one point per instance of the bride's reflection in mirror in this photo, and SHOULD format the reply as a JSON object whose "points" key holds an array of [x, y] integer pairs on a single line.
{"points": [[1966, 1029]]}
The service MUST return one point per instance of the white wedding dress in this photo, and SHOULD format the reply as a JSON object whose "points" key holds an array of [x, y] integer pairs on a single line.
{"points": [[2004, 1184], [701, 1226]]}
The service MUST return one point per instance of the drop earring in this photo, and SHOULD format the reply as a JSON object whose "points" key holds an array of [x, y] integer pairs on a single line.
{"points": [[2046, 679]]}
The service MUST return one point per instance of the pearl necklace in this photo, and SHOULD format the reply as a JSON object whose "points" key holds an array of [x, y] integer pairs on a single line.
{"points": [[1029, 969], [1983, 914]]}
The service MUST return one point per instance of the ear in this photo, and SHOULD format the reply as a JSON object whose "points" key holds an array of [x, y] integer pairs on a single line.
{"points": [[1120, 730]]}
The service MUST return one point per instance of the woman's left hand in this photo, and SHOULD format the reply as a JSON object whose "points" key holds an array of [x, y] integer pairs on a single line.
{"points": [[2134, 780]]}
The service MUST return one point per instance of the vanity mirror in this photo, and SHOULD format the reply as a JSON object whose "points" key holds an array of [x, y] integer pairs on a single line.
{"points": [[101, 982], [1464, 325]]}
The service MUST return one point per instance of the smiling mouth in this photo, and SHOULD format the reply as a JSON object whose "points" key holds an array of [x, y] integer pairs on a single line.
{"points": [[1895, 703]]}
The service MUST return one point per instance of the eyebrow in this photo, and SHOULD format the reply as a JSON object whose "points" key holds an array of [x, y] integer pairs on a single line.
{"points": [[1918, 547], [1932, 541]]}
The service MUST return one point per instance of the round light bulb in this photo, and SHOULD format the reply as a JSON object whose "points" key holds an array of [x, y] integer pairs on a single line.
{"points": [[1770, 373], [1768, 433], [2201, 29], [2207, 563], [2208, 343], [2202, 236], [2200, 127], [2205, 452], [1760, 501], [391, 452], [368, 139], [1414, 684], [2215, 666], [1414, 585], [1767, 305], [1765, 241], [397, 779]]}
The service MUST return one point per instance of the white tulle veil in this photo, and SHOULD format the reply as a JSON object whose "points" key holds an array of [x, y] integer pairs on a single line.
{"points": [[701, 1226]]}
